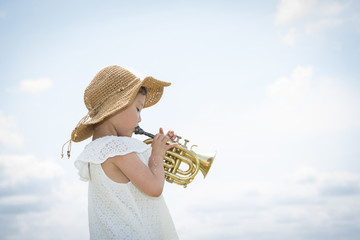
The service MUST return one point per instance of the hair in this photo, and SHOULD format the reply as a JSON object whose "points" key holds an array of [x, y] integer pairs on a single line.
{"points": [[143, 91]]}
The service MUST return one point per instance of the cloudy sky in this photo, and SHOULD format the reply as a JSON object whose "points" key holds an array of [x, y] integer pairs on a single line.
{"points": [[271, 86]]}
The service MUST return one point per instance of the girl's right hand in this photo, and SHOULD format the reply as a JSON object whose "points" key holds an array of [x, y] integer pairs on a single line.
{"points": [[159, 144]]}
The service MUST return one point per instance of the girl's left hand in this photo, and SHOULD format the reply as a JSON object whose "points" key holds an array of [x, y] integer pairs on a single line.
{"points": [[171, 134]]}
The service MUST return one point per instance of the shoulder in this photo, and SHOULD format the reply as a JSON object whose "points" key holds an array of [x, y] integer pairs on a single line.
{"points": [[123, 145], [109, 146]]}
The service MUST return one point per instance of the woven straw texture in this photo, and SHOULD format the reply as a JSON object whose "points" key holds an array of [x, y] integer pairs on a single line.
{"points": [[113, 89]]}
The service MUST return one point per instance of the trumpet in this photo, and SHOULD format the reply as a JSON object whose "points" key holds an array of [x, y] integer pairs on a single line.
{"points": [[178, 158]]}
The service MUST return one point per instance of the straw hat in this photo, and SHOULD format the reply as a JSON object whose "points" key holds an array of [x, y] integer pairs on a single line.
{"points": [[111, 90]]}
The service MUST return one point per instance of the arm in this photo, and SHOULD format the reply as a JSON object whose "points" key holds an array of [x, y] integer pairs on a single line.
{"points": [[149, 180]]}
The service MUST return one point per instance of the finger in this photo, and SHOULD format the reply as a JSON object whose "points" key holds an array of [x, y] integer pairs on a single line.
{"points": [[156, 136], [171, 135], [165, 138], [160, 138], [161, 131], [171, 146]]}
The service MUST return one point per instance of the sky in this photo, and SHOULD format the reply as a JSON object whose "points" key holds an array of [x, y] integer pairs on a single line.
{"points": [[272, 87]]}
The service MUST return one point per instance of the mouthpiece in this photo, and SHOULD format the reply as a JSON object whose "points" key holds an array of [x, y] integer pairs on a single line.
{"points": [[139, 130]]}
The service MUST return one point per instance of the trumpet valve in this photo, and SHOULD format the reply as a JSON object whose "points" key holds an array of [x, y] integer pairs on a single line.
{"points": [[178, 139], [186, 142]]}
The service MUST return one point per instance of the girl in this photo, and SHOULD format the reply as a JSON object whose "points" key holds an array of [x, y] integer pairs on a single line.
{"points": [[126, 176]]}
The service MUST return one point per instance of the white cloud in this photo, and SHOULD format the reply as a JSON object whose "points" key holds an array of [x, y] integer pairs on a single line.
{"points": [[300, 104], [8, 132], [294, 87], [323, 24], [290, 10], [65, 216], [312, 17], [37, 201], [18, 200], [20, 168], [290, 37], [334, 8], [284, 208], [35, 85]]}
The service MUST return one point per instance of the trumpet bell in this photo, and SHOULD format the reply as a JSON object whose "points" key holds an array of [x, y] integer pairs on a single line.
{"points": [[205, 162]]}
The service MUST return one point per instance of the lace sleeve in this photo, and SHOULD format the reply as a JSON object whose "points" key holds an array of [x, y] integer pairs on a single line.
{"points": [[103, 148]]}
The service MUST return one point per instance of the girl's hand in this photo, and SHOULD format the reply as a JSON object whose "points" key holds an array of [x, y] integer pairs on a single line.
{"points": [[160, 143], [171, 135]]}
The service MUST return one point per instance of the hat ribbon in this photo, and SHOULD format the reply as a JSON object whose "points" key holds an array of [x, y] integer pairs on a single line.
{"points": [[82, 121], [68, 151]]}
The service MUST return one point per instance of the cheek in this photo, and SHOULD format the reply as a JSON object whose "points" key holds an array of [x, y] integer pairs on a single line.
{"points": [[134, 114]]}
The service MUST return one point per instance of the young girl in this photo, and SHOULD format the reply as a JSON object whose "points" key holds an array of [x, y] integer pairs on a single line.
{"points": [[126, 176]]}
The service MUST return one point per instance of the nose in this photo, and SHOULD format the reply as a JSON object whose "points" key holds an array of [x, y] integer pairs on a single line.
{"points": [[139, 120]]}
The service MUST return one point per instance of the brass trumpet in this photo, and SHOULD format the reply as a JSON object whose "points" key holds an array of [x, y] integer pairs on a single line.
{"points": [[179, 156]]}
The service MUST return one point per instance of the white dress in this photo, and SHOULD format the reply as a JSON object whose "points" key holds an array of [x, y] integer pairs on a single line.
{"points": [[121, 210]]}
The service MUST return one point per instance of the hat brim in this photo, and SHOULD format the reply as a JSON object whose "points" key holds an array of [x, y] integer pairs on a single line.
{"points": [[155, 89]]}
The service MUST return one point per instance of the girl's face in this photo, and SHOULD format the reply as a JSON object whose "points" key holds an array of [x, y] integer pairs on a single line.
{"points": [[125, 121]]}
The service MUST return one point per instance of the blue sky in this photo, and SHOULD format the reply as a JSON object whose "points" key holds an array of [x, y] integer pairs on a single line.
{"points": [[271, 86]]}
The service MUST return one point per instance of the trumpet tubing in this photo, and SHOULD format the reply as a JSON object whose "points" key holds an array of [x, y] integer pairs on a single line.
{"points": [[177, 158]]}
